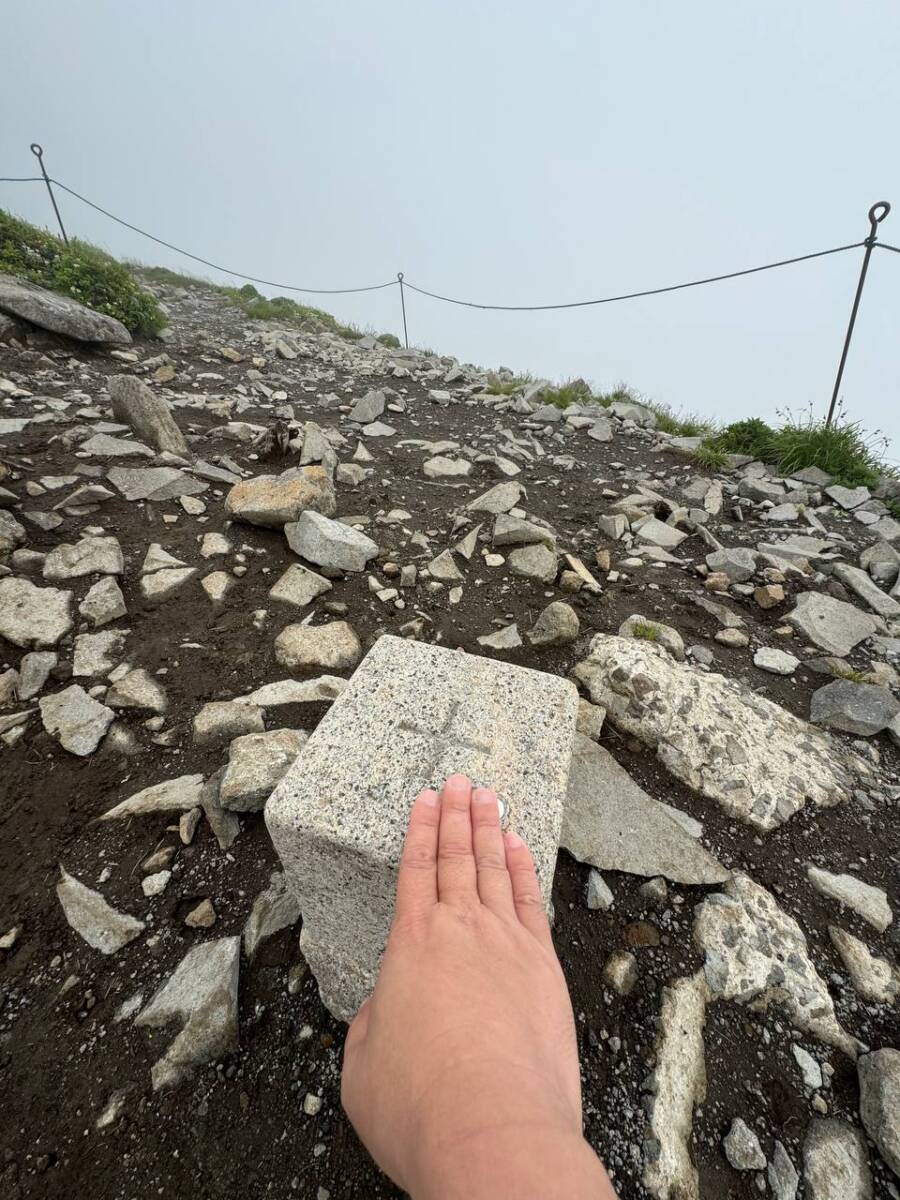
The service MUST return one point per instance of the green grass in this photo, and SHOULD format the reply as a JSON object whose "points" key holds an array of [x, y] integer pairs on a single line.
{"points": [[843, 449], [80, 270], [851, 674], [506, 387], [573, 391], [645, 631], [711, 457]]}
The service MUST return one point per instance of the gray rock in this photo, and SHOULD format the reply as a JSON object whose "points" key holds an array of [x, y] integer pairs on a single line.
{"points": [[299, 586], [620, 972], [378, 429], [737, 563], [759, 489], [498, 499], [34, 670], [294, 691], [658, 533], [103, 927], [611, 823], [613, 525], [557, 625], [836, 1162], [274, 500], [139, 690], [154, 483], [646, 629], [755, 951], [385, 739], [533, 562], [90, 556], [444, 568], [329, 544], [601, 430], [59, 314], [159, 585], [12, 534], [859, 582], [256, 763], [75, 719], [33, 616], [172, 795], [782, 1174], [334, 646], [858, 708], [637, 413], [506, 638], [776, 662], [871, 903], [832, 625], [202, 993], [441, 467], [516, 531], [809, 1067], [879, 1102], [873, 978], [678, 1086], [104, 602], [599, 897], [369, 408], [102, 445], [98, 653], [848, 498], [699, 721], [274, 909], [814, 476], [222, 720], [742, 1148], [147, 414]]}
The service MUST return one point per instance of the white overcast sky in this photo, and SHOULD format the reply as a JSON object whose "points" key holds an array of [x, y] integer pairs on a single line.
{"points": [[510, 152]]}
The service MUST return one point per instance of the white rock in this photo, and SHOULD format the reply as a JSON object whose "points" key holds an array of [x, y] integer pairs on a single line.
{"points": [[782, 1174], [104, 602], [329, 544], [33, 616], [873, 978], [75, 719], [138, 689], [334, 646], [599, 897], [832, 625], [777, 662], [742, 1148], [256, 763], [755, 953], [102, 926], [90, 556], [172, 795], [299, 586], [98, 653], [871, 903], [202, 993], [879, 1102], [295, 691], [221, 720], [274, 909], [809, 1067], [156, 884], [756, 760], [836, 1162], [161, 584], [678, 1086]]}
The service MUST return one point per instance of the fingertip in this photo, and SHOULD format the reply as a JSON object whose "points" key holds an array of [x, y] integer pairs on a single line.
{"points": [[428, 798], [512, 840]]}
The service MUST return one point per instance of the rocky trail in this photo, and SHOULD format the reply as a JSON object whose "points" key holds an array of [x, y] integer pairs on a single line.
{"points": [[201, 538]]}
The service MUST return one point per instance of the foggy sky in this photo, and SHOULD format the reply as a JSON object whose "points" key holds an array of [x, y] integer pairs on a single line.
{"points": [[506, 152]]}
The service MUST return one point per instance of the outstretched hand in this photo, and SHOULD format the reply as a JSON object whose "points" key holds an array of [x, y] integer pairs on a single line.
{"points": [[461, 1072]]}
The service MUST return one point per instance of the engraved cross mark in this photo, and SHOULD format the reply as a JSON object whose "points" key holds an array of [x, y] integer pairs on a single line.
{"points": [[443, 739]]}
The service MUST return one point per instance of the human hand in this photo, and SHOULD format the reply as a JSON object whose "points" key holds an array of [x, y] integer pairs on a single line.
{"points": [[461, 1072]]}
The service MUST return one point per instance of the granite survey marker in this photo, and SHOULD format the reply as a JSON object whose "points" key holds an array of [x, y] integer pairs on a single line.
{"points": [[412, 715]]}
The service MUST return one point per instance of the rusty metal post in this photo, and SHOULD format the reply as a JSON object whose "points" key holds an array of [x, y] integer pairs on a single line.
{"points": [[877, 213], [38, 152]]}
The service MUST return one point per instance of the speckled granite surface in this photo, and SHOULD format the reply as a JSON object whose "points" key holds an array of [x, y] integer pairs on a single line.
{"points": [[412, 715]]}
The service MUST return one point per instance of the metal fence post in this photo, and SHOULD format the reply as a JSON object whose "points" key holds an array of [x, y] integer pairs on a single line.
{"points": [[403, 307], [38, 152], [877, 213]]}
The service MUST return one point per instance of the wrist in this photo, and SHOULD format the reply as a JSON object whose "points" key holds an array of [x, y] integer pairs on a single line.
{"points": [[516, 1159]]}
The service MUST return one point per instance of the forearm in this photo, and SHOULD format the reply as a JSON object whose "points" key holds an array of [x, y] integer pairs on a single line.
{"points": [[518, 1162]]}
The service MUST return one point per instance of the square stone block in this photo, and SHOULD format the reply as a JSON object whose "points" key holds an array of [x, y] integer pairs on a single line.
{"points": [[412, 715]]}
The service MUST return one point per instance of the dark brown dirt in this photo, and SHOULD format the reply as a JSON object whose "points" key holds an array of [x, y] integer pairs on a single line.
{"points": [[238, 1128]]}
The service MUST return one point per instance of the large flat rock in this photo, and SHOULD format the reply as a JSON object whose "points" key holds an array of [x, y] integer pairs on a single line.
{"points": [[59, 314], [749, 755], [413, 714]]}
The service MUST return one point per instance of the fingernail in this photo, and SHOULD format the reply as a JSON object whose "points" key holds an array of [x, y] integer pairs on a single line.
{"points": [[513, 840], [456, 783], [429, 797], [484, 796]]}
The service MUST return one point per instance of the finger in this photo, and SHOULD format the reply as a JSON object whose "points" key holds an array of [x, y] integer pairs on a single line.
{"points": [[417, 873], [359, 1026], [494, 886], [456, 881], [525, 888]]}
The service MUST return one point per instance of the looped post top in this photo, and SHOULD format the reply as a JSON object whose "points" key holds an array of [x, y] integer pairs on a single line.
{"points": [[399, 276], [37, 149], [874, 217]]}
